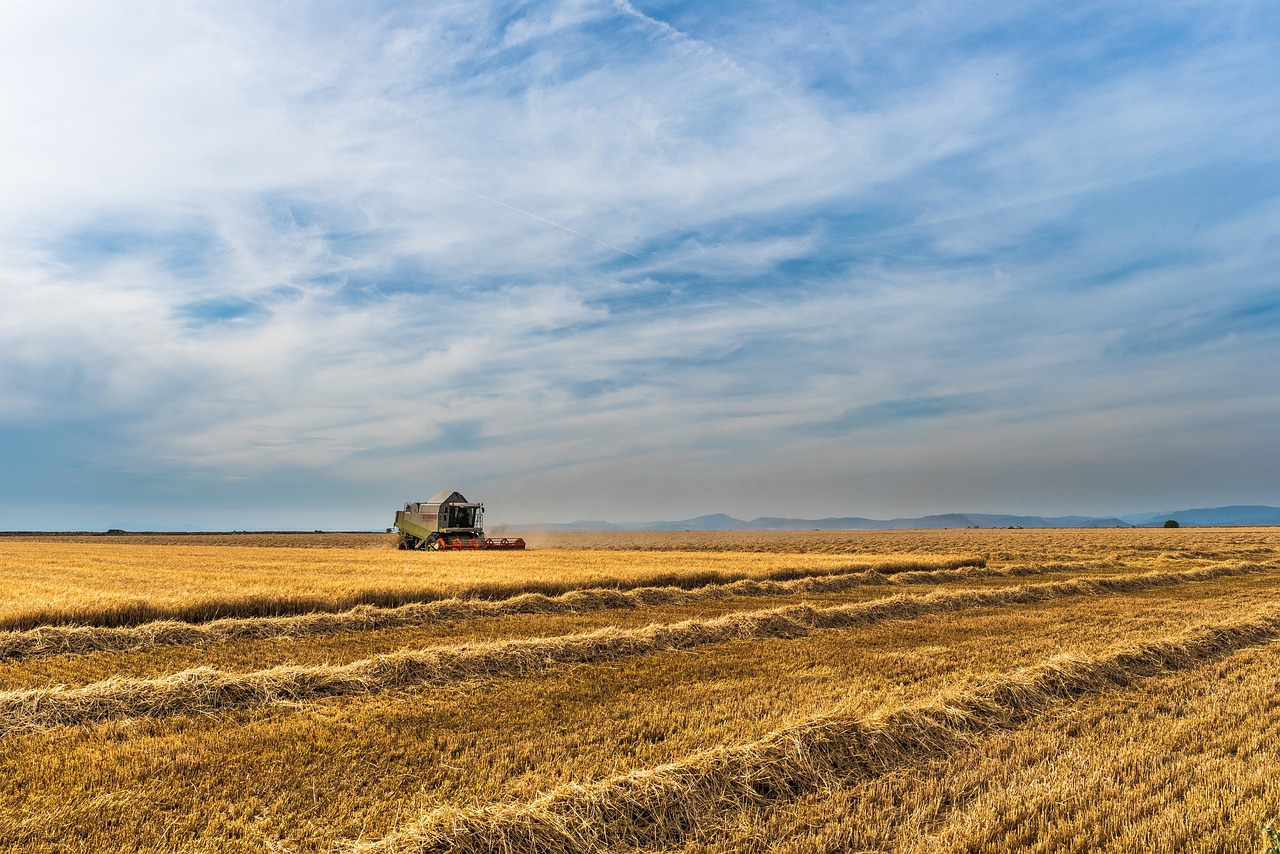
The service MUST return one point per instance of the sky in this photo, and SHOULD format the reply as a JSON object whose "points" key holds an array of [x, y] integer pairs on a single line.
{"points": [[287, 265]]}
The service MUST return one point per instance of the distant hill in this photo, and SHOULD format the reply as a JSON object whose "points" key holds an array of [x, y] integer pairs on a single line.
{"points": [[1235, 515], [1239, 515], [721, 522]]}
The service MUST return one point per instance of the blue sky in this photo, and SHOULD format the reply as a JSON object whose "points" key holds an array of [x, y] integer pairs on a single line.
{"points": [[288, 265]]}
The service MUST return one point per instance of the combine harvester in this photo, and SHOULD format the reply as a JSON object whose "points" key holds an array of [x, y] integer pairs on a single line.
{"points": [[447, 521]]}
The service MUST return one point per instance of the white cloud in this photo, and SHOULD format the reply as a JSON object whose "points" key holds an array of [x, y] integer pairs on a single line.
{"points": [[256, 241]]}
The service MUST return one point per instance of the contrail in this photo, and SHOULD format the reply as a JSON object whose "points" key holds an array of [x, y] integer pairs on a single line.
{"points": [[531, 215]]}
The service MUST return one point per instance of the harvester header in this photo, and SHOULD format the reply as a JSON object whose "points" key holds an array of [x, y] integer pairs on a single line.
{"points": [[447, 521]]}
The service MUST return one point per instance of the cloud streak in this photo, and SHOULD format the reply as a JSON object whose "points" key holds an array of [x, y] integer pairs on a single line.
{"points": [[635, 260]]}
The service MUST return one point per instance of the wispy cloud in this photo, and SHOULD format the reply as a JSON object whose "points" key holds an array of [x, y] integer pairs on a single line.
{"points": [[637, 258]]}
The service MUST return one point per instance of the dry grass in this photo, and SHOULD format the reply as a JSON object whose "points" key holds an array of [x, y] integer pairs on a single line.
{"points": [[50, 583], [999, 545], [944, 718], [659, 806], [1183, 762], [77, 639], [205, 690]]}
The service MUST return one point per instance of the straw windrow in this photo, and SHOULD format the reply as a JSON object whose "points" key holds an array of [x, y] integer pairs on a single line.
{"points": [[204, 690], [661, 806], [200, 611], [61, 639]]}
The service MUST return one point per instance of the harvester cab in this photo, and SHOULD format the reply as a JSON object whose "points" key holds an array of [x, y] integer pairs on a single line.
{"points": [[447, 521]]}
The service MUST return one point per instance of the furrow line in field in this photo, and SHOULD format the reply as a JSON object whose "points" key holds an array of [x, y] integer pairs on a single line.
{"points": [[205, 690], [201, 611], [61, 640], [56, 640], [660, 806]]}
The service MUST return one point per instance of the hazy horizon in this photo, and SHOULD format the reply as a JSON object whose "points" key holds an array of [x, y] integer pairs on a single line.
{"points": [[498, 525]]}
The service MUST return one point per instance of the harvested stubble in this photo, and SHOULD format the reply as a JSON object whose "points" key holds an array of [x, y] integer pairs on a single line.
{"points": [[1014, 546], [271, 779], [115, 585], [662, 805], [63, 639], [249, 781], [203, 690], [1183, 762]]}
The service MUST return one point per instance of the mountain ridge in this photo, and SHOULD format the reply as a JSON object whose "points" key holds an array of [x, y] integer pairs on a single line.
{"points": [[1236, 515]]}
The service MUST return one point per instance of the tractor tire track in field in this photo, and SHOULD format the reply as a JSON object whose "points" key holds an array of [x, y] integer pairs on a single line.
{"points": [[206, 690], [661, 806], [137, 614], [61, 640]]}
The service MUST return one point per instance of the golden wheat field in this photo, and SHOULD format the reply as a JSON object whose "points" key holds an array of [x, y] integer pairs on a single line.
{"points": [[955, 691]]}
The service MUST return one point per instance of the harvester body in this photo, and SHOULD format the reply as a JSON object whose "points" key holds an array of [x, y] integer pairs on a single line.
{"points": [[447, 521]]}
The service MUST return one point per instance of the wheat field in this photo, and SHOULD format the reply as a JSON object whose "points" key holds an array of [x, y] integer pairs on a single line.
{"points": [[966, 691]]}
